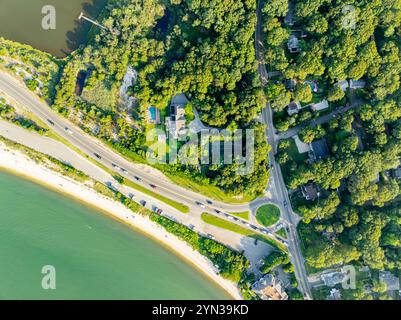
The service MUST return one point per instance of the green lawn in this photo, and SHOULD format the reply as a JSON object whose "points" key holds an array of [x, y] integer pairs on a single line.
{"points": [[268, 215], [179, 206], [208, 191], [294, 153], [299, 158], [282, 233], [243, 215], [227, 225], [104, 95]]}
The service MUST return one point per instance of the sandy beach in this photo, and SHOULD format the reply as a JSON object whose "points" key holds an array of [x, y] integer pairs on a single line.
{"points": [[19, 164]]}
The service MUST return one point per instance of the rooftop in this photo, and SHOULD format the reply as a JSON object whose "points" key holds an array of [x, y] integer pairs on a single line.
{"points": [[335, 294], [293, 108], [392, 282], [269, 288], [310, 192], [320, 149], [293, 44], [344, 85], [332, 278], [357, 84], [320, 106]]}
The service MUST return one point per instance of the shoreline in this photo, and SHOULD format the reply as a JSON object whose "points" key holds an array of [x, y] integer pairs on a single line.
{"points": [[20, 165]]}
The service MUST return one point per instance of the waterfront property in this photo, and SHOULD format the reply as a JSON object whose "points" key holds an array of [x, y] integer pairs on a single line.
{"points": [[269, 288]]}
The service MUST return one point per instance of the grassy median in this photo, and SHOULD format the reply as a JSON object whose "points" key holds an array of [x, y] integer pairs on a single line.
{"points": [[177, 205], [227, 225], [243, 215], [268, 214]]}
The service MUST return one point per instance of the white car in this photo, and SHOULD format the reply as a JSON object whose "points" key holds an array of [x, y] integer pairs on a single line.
{"points": [[200, 204], [69, 131]]}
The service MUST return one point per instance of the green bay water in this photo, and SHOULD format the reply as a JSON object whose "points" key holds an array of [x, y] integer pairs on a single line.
{"points": [[95, 257], [21, 21]]}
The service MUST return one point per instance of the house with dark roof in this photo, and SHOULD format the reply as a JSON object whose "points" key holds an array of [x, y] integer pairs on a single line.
{"points": [[320, 150], [290, 84], [293, 108], [310, 192], [293, 44], [397, 173]]}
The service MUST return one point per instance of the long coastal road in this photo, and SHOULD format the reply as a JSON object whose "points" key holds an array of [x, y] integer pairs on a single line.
{"points": [[252, 250], [276, 185], [90, 146]]}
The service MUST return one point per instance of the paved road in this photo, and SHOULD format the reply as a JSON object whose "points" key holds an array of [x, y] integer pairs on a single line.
{"points": [[91, 146], [321, 120], [276, 184], [253, 251]]}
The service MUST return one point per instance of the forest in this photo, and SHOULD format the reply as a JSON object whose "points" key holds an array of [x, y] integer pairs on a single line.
{"points": [[356, 216], [202, 49]]}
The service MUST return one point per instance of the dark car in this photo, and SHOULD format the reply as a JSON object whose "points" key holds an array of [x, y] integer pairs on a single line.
{"points": [[51, 122], [137, 178], [209, 202], [143, 203], [153, 186], [97, 156], [217, 211], [200, 204]]}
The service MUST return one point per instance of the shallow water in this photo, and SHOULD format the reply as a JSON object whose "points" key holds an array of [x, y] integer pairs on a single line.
{"points": [[94, 256], [21, 20]]}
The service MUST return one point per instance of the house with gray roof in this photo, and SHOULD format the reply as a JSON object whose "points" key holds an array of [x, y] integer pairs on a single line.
{"points": [[320, 150], [269, 288]]}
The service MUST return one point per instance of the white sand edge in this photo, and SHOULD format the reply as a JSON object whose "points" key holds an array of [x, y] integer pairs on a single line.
{"points": [[15, 161]]}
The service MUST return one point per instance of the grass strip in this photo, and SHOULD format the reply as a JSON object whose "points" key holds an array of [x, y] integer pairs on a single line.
{"points": [[177, 205], [227, 225]]}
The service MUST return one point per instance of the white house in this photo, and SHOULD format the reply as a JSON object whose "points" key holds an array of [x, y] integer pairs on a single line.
{"points": [[344, 85], [320, 106]]}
